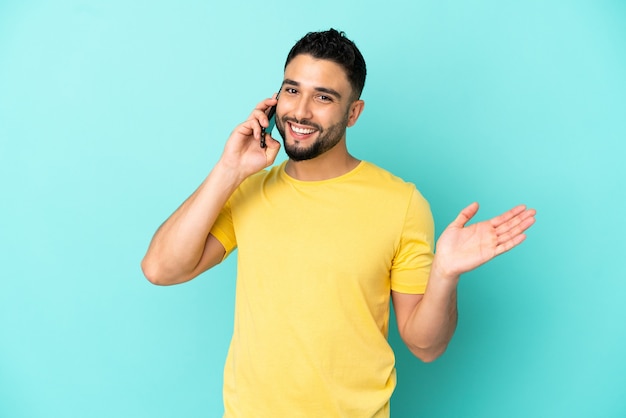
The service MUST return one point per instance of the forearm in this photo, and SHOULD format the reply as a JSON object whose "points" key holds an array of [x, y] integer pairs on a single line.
{"points": [[178, 245], [433, 321]]}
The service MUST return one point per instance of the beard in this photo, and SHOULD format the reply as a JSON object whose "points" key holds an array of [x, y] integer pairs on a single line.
{"points": [[327, 138]]}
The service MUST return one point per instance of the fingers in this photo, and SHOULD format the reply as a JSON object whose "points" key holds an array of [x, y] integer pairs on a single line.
{"points": [[507, 216], [249, 128], [270, 141], [511, 233], [266, 103], [260, 118], [272, 148], [252, 127], [518, 223], [261, 109], [510, 244]]}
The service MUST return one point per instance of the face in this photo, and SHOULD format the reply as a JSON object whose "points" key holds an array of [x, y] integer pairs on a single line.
{"points": [[315, 107]]}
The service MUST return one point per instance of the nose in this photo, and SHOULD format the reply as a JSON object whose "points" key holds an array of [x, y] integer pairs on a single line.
{"points": [[302, 109]]}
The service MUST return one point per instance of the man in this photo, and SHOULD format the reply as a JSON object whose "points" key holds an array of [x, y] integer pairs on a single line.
{"points": [[324, 242]]}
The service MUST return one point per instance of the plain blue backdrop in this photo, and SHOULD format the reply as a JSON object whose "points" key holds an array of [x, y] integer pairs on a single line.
{"points": [[112, 112]]}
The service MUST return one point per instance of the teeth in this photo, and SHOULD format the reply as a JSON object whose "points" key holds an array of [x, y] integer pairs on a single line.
{"points": [[302, 131]]}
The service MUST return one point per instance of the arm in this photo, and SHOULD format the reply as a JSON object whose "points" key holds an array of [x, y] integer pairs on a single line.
{"points": [[183, 247], [427, 322]]}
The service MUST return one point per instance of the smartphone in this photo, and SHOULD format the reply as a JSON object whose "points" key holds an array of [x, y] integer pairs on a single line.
{"points": [[271, 116]]}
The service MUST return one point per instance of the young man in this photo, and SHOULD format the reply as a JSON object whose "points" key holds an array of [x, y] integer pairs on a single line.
{"points": [[324, 242]]}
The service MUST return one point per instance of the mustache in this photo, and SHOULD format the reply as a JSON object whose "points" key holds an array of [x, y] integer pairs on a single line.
{"points": [[304, 122]]}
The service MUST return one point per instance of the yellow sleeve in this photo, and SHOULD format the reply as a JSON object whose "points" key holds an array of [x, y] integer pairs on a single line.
{"points": [[411, 265], [224, 231]]}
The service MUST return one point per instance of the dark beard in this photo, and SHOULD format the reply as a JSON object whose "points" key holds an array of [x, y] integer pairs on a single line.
{"points": [[326, 140]]}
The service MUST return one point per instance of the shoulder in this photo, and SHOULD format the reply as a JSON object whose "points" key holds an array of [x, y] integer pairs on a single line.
{"points": [[376, 172], [254, 186], [383, 180], [397, 190], [271, 173]]}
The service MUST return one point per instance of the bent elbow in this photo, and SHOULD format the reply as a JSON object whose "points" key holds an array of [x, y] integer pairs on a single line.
{"points": [[427, 355], [153, 273]]}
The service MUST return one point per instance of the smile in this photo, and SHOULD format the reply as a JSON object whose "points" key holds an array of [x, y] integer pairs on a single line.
{"points": [[301, 130]]}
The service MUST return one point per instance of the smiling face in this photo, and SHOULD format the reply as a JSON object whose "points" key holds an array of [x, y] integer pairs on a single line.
{"points": [[315, 107]]}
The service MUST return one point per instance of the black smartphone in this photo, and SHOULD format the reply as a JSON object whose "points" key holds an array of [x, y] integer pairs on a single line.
{"points": [[271, 116]]}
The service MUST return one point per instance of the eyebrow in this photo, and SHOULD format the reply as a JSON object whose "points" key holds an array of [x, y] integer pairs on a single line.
{"points": [[326, 90]]}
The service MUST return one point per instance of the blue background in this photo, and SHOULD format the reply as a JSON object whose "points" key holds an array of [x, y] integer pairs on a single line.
{"points": [[112, 112]]}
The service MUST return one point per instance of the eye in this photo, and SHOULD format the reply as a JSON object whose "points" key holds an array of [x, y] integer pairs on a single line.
{"points": [[291, 90], [325, 99]]}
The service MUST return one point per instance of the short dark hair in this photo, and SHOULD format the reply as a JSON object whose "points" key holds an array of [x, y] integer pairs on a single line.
{"points": [[334, 46]]}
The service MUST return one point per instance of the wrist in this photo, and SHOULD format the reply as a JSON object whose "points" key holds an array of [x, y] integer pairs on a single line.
{"points": [[442, 273], [229, 174], [225, 177]]}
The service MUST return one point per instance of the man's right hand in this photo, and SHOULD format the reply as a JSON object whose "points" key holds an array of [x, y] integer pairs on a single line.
{"points": [[243, 154]]}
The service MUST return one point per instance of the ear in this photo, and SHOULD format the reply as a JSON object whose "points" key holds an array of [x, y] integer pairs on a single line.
{"points": [[355, 111]]}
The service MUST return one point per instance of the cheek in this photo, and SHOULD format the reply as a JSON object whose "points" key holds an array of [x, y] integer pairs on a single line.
{"points": [[282, 110], [328, 117]]}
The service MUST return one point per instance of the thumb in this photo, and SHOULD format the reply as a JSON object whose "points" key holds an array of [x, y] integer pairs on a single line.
{"points": [[272, 149], [465, 215]]}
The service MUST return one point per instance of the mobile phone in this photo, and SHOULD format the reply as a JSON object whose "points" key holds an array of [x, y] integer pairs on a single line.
{"points": [[272, 122]]}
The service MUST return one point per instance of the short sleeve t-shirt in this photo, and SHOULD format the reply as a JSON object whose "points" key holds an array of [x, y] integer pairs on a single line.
{"points": [[316, 264]]}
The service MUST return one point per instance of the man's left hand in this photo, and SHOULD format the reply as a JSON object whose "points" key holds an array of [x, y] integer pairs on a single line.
{"points": [[462, 248]]}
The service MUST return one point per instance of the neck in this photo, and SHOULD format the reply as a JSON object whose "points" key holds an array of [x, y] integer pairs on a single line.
{"points": [[333, 163]]}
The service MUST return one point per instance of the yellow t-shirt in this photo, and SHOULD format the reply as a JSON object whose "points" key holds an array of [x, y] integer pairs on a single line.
{"points": [[316, 263]]}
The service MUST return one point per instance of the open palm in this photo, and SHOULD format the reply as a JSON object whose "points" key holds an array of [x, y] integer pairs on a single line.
{"points": [[462, 248]]}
